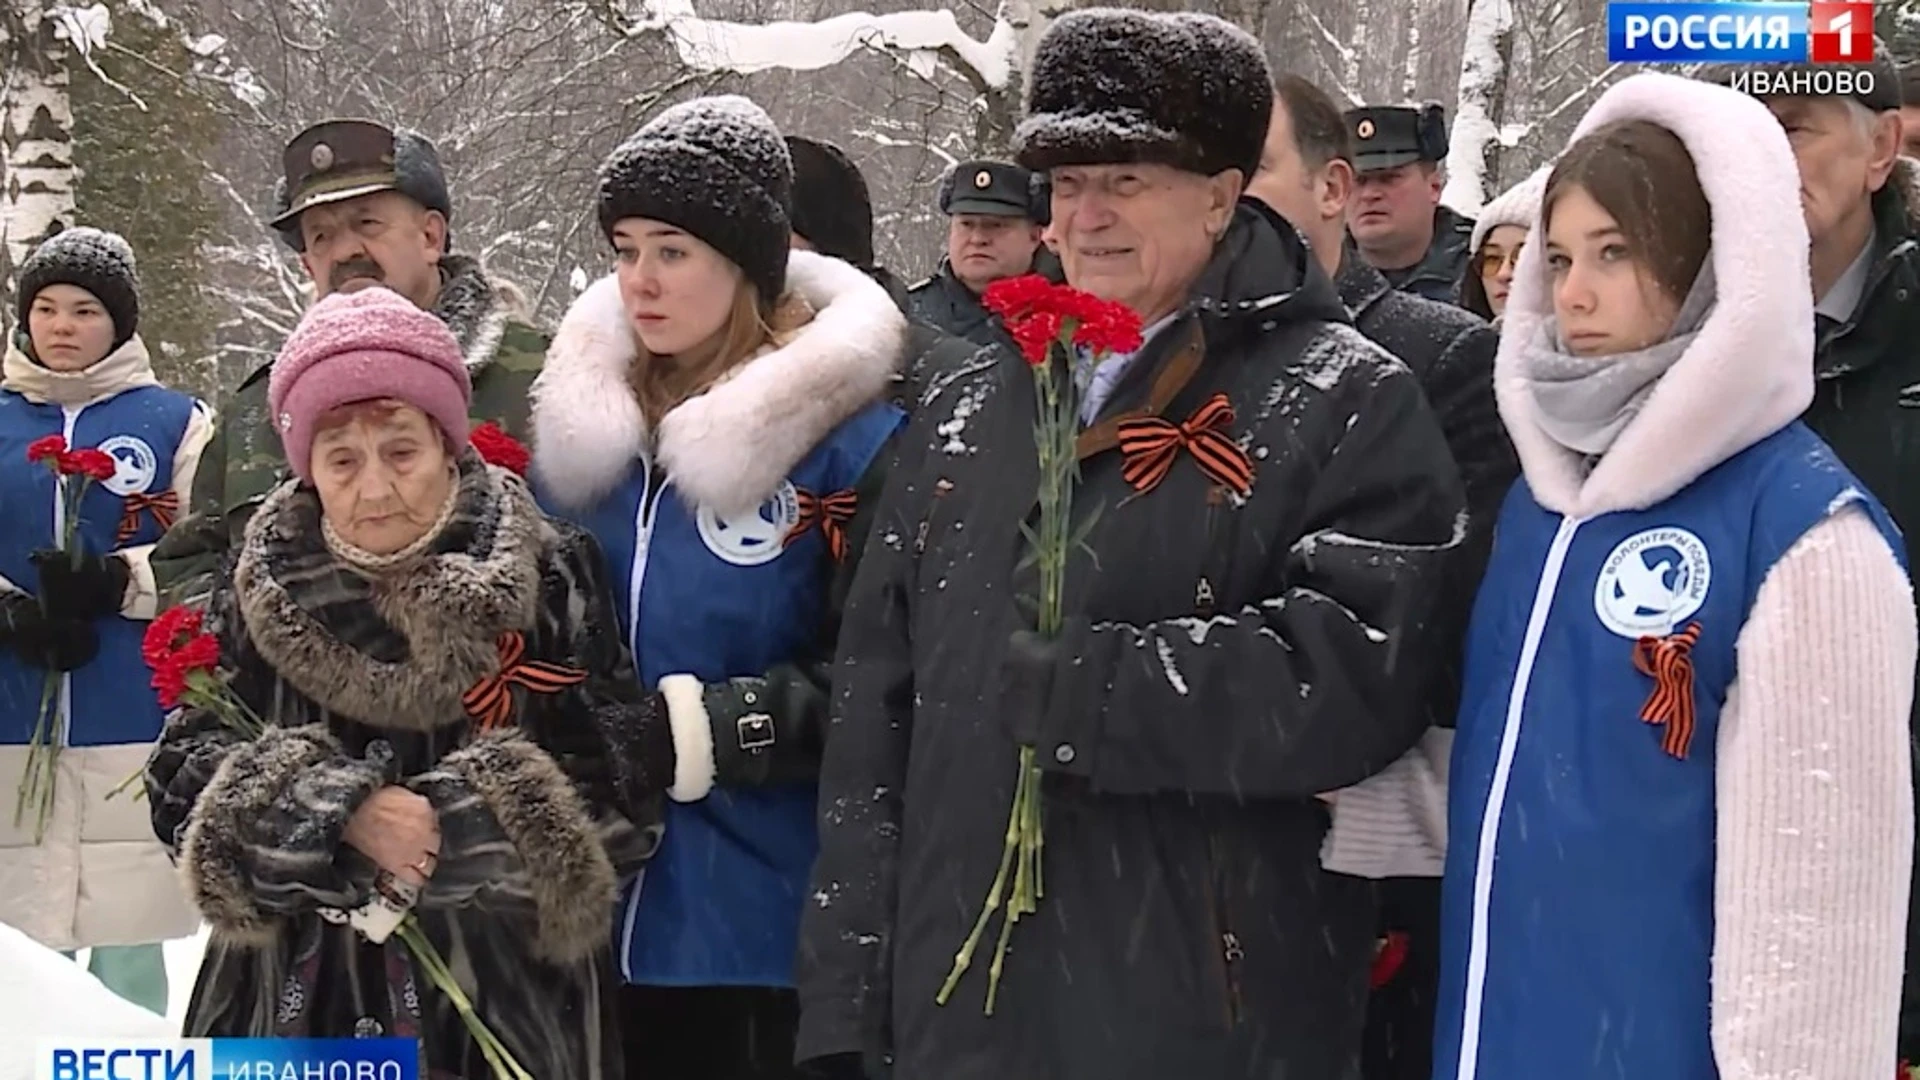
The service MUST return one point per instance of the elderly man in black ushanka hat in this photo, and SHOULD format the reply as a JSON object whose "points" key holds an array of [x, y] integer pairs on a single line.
{"points": [[1252, 620]]}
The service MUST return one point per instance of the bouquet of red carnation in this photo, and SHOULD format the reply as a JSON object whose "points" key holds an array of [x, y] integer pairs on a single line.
{"points": [[185, 660], [73, 471], [1052, 324], [496, 447]]}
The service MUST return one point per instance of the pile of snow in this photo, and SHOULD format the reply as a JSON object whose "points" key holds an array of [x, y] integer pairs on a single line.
{"points": [[42, 993]]}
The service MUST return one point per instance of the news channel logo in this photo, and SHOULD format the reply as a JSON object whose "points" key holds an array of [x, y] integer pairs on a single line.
{"points": [[227, 1059], [1731, 31]]}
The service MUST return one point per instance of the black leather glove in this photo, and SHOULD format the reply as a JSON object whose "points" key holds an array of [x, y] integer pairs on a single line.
{"points": [[1026, 676], [48, 644], [96, 587], [765, 732], [835, 1067]]}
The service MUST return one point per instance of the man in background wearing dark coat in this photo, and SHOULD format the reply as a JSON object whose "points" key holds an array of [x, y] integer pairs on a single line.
{"points": [[1266, 514], [993, 232], [1395, 215], [1306, 173], [833, 215]]}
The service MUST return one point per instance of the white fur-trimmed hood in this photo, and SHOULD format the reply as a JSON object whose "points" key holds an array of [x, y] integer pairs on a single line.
{"points": [[728, 448], [1518, 205], [1747, 374]]}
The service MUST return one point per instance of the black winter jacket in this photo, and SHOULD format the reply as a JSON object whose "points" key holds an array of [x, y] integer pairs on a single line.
{"points": [[1226, 660]]}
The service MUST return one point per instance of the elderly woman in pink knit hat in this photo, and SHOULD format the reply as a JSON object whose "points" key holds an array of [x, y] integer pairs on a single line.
{"points": [[453, 728]]}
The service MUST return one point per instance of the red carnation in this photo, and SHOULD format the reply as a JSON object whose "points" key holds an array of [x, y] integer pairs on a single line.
{"points": [[1012, 298], [1038, 313], [173, 677], [48, 449], [1388, 959], [92, 464], [496, 447], [167, 633]]}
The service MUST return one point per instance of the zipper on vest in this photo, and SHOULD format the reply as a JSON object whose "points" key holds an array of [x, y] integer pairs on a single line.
{"points": [[1469, 1063], [1225, 943]]}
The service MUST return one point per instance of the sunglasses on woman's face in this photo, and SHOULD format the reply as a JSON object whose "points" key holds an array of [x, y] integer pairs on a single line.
{"points": [[1492, 260]]}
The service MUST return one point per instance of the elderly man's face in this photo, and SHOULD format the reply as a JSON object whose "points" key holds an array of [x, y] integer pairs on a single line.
{"points": [[380, 239], [1139, 234], [1845, 155]]}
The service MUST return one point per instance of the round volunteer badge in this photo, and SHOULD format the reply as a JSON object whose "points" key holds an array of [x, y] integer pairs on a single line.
{"points": [[1652, 582], [755, 537], [134, 465]]}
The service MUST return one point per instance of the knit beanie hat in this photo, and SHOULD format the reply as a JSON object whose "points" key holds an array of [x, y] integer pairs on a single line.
{"points": [[1518, 205], [1111, 87], [92, 259], [360, 346], [716, 167], [831, 207]]}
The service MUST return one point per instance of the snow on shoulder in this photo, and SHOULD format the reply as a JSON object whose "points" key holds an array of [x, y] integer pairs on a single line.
{"points": [[43, 994]]}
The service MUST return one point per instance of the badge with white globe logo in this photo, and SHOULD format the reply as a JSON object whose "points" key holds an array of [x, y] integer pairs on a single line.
{"points": [[134, 465], [755, 537], [1652, 582]]}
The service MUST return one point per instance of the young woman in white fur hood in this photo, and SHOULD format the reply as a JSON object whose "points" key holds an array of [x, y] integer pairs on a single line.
{"points": [[1680, 813], [712, 411]]}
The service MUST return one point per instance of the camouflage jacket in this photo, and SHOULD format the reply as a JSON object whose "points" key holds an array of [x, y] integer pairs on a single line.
{"points": [[244, 460]]}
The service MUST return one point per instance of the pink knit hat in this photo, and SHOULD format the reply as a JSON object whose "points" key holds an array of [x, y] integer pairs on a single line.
{"points": [[358, 347]]}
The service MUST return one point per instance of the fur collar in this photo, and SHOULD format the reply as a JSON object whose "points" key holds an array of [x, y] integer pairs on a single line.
{"points": [[1748, 374], [400, 650], [728, 448], [475, 307]]}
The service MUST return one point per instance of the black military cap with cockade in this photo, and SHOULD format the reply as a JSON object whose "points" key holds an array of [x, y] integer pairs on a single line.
{"points": [[1388, 136], [337, 160]]}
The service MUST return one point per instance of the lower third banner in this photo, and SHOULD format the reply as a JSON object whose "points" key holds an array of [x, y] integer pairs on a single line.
{"points": [[227, 1059]]}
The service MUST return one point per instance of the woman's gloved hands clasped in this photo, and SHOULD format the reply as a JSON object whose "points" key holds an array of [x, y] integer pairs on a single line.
{"points": [[54, 631]]}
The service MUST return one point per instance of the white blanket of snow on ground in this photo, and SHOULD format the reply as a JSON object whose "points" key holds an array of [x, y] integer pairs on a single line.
{"points": [[42, 993]]}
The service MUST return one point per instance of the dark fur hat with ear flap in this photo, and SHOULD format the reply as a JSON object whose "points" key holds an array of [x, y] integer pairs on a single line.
{"points": [[1181, 89], [831, 207]]}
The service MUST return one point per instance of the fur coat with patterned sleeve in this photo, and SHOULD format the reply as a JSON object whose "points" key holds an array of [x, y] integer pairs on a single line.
{"points": [[372, 679]]}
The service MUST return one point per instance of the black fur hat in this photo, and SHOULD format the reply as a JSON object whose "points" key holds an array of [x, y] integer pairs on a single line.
{"points": [[1183, 89], [831, 207], [718, 168], [100, 262]]}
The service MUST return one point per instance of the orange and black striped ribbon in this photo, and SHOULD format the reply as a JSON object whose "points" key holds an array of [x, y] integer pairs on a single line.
{"points": [[1151, 443], [165, 508], [1669, 660], [491, 699], [830, 514]]}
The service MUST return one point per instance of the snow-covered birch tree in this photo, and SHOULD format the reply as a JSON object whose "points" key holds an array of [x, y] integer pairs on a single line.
{"points": [[36, 132], [1473, 158]]}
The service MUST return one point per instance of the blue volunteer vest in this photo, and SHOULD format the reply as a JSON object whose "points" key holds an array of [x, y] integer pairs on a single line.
{"points": [[719, 904], [111, 699], [1577, 912]]}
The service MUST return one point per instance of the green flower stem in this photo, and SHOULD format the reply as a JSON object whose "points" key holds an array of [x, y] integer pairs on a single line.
{"points": [[428, 958], [963, 959], [1056, 434], [37, 777]]}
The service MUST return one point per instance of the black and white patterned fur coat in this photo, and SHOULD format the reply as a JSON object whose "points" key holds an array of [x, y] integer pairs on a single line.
{"points": [[361, 681]]}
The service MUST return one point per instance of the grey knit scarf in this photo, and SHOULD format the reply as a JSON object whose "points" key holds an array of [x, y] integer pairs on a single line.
{"points": [[1585, 402]]}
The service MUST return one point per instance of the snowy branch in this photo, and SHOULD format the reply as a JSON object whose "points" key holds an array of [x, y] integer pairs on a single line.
{"points": [[1348, 57], [744, 48]]}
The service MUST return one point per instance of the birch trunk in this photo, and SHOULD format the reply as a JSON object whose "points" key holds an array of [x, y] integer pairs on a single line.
{"points": [[1473, 158], [36, 137]]}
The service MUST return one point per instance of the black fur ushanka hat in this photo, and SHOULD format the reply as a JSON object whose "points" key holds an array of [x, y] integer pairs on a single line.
{"points": [[1110, 86]]}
